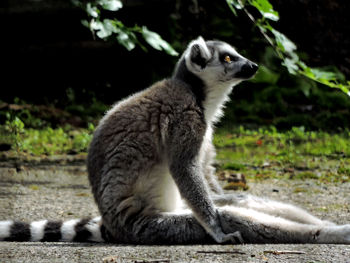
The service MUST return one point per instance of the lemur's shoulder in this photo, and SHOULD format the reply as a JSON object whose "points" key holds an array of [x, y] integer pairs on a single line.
{"points": [[172, 94]]}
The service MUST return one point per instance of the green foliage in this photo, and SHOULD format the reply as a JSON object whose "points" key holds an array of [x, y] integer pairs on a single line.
{"points": [[154, 40], [15, 129], [284, 47], [47, 141], [265, 8], [50, 141], [259, 154], [114, 29], [294, 154]]}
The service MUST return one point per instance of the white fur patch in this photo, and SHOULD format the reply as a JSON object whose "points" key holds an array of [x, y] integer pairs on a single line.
{"points": [[259, 218], [5, 227], [283, 210], [216, 97], [68, 229], [206, 145], [226, 47], [37, 230], [94, 227], [159, 188]]}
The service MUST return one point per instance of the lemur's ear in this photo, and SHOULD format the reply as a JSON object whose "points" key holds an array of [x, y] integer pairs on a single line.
{"points": [[198, 55]]}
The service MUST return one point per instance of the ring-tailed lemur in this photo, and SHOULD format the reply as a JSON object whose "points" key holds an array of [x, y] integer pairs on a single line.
{"points": [[150, 168]]}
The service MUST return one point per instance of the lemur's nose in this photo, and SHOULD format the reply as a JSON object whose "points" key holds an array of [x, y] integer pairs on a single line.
{"points": [[254, 66], [248, 70], [251, 67]]}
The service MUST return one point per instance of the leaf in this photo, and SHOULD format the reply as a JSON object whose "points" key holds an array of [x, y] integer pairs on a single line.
{"points": [[126, 39], [283, 42], [85, 23], [104, 29], [266, 9], [325, 77], [154, 40], [76, 3], [92, 10], [285, 48], [320, 74], [233, 5], [99, 27], [290, 65], [110, 26], [111, 5]]}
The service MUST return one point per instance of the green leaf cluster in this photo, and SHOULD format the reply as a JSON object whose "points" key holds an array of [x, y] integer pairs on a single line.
{"points": [[283, 46], [114, 29], [15, 128], [46, 141], [265, 8]]}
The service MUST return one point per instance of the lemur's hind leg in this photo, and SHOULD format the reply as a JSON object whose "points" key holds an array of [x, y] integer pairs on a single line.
{"points": [[255, 227], [269, 207]]}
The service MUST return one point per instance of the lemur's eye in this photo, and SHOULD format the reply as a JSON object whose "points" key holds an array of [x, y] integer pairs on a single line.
{"points": [[228, 59]]}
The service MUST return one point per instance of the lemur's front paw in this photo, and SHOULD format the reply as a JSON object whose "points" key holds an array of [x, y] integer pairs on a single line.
{"points": [[235, 238], [221, 237]]}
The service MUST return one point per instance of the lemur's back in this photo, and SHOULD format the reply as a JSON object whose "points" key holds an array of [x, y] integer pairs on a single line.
{"points": [[137, 126], [127, 162]]}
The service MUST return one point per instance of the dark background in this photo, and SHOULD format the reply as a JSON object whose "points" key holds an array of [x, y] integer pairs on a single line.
{"points": [[48, 57]]}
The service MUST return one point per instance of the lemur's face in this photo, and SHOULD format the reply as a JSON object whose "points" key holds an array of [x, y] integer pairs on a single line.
{"points": [[216, 63]]}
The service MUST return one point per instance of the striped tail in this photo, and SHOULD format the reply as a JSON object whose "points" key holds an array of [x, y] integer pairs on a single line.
{"points": [[75, 230]]}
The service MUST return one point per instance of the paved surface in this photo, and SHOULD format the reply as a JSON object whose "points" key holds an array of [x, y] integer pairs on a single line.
{"points": [[61, 191]]}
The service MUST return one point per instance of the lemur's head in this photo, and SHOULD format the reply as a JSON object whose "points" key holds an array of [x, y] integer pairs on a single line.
{"points": [[217, 63]]}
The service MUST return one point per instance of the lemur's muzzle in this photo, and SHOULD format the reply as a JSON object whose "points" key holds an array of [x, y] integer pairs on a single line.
{"points": [[248, 70]]}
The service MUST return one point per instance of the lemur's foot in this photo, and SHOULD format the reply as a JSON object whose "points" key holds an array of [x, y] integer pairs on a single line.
{"points": [[334, 234]]}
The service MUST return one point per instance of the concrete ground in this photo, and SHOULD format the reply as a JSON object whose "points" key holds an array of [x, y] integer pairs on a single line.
{"points": [[58, 189]]}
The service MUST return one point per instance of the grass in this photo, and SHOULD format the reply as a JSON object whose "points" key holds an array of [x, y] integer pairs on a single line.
{"points": [[258, 154], [46, 141], [295, 154]]}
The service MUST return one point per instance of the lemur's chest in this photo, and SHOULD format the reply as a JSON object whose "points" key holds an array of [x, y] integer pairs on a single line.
{"points": [[159, 189]]}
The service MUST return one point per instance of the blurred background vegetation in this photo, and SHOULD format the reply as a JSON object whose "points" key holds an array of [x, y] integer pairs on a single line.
{"points": [[65, 62], [52, 60]]}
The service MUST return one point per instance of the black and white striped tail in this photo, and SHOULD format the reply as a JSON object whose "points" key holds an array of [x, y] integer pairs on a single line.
{"points": [[75, 230]]}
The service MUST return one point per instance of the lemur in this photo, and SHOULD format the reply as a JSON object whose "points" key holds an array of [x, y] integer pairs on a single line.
{"points": [[150, 166]]}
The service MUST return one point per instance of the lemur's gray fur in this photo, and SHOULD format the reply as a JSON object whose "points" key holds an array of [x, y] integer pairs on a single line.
{"points": [[150, 168]]}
